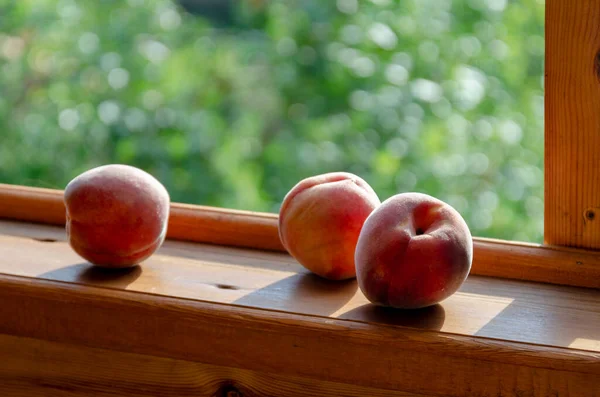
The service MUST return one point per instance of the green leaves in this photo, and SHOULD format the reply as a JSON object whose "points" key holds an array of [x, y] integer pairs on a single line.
{"points": [[442, 97]]}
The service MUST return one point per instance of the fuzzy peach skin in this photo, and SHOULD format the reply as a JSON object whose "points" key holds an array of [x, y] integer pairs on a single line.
{"points": [[116, 215], [413, 251], [320, 220]]}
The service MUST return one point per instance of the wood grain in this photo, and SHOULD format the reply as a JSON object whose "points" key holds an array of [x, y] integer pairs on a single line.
{"points": [[292, 344], [36, 368], [536, 262], [495, 258], [572, 124], [487, 307]]}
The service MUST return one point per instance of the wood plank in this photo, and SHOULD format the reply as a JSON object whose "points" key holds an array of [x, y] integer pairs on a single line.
{"points": [[36, 368], [497, 258], [290, 344], [572, 124], [186, 222], [535, 262], [493, 308]]}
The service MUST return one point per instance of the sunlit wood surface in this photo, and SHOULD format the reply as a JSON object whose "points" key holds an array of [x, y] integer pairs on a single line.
{"points": [[196, 319], [486, 307]]}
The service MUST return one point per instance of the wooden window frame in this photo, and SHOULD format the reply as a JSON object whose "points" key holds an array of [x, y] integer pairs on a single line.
{"points": [[569, 254]]}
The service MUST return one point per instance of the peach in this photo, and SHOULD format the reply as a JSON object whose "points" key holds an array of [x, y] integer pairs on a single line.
{"points": [[116, 215], [320, 220], [413, 251]]}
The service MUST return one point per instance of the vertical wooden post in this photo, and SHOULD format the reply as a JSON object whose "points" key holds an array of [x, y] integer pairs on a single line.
{"points": [[572, 123]]}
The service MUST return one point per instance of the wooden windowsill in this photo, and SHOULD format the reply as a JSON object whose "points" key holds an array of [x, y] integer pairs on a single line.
{"points": [[222, 309], [222, 226]]}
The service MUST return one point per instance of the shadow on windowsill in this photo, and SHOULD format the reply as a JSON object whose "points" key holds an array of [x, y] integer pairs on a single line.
{"points": [[429, 318], [86, 273]]}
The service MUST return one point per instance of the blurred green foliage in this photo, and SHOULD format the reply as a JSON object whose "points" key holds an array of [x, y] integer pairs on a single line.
{"points": [[438, 96]]}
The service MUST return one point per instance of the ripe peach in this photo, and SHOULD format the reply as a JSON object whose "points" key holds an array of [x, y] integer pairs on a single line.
{"points": [[413, 251], [116, 215], [320, 220]]}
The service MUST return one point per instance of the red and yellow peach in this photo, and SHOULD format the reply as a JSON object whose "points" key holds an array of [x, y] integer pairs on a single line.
{"points": [[320, 220], [116, 215], [413, 251]]}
